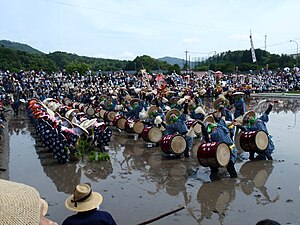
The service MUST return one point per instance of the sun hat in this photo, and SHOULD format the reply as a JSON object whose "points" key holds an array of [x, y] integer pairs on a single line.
{"points": [[169, 113], [238, 93], [20, 204], [209, 119], [219, 101], [83, 199], [248, 114]]}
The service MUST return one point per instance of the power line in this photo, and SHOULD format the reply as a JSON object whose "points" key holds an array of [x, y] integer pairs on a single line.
{"points": [[141, 17]]}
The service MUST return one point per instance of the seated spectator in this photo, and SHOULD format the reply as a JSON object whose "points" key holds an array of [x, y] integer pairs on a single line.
{"points": [[86, 202], [22, 205], [267, 222]]}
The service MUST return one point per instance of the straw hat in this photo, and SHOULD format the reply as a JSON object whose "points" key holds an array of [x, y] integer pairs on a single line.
{"points": [[209, 119], [88, 123], [80, 127], [248, 114], [199, 109], [152, 108], [218, 101], [20, 204], [83, 199], [238, 93], [170, 112], [70, 112], [134, 101]]}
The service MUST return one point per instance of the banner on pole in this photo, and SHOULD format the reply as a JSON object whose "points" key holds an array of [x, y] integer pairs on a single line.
{"points": [[252, 48]]}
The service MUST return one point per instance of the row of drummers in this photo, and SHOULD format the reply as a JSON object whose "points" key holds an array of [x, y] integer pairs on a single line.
{"points": [[86, 116], [60, 135], [210, 153], [150, 133]]}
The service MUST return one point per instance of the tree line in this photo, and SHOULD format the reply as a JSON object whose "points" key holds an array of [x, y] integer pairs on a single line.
{"points": [[231, 61]]}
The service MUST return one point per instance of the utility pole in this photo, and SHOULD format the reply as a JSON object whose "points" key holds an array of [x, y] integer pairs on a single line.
{"points": [[186, 61], [265, 42]]}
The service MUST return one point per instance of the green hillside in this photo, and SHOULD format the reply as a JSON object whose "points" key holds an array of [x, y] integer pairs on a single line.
{"points": [[19, 46]]}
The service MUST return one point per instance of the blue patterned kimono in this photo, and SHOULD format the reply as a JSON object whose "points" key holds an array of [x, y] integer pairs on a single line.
{"points": [[222, 134], [261, 125]]}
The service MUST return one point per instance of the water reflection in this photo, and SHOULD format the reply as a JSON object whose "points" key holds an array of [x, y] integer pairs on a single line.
{"points": [[17, 126], [254, 176], [64, 176], [215, 197], [97, 171], [286, 105]]}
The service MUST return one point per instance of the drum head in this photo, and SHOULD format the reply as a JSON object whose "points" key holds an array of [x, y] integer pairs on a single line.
{"points": [[101, 113], [138, 127], [223, 154], [178, 144], [197, 129], [111, 115], [262, 140], [121, 123], [260, 178], [155, 134], [90, 111], [237, 142]]}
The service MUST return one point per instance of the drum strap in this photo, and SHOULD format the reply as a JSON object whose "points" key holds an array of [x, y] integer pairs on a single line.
{"points": [[231, 147]]}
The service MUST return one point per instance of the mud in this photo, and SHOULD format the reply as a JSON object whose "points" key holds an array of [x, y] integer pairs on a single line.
{"points": [[139, 183]]}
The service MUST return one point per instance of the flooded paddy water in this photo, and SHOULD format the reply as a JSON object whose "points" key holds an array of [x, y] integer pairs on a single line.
{"points": [[138, 183]]}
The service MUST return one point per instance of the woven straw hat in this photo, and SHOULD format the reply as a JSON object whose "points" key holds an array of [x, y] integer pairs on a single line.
{"points": [[209, 119], [20, 204], [218, 101], [248, 114], [83, 199], [170, 112], [134, 101]]}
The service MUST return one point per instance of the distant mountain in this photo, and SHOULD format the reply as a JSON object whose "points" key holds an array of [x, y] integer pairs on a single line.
{"points": [[20, 47], [172, 60]]}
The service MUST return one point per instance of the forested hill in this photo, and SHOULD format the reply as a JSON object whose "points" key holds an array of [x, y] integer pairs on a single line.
{"points": [[16, 56], [19, 46]]}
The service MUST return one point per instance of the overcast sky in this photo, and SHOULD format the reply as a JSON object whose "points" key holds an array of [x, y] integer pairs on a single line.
{"points": [[124, 29]]}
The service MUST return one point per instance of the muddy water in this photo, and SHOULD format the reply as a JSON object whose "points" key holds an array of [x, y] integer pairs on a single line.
{"points": [[139, 184]]}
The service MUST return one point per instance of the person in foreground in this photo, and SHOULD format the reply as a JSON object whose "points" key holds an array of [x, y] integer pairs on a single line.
{"points": [[85, 202], [267, 222], [21, 204]]}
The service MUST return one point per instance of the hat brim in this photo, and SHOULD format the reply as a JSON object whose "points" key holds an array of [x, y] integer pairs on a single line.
{"points": [[209, 119], [217, 102], [44, 204], [91, 203], [170, 112], [81, 127], [87, 123], [238, 93], [134, 101], [249, 113]]}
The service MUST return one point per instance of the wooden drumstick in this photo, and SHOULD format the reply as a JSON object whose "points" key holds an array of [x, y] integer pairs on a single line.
{"points": [[162, 216]]}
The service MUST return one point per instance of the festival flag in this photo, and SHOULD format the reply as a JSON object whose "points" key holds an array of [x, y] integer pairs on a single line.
{"points": [[252, 48]]}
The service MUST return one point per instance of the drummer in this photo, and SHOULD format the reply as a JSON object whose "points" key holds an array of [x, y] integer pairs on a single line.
{"points": [[178, 125], [220, 105], [219, 132], [252, 123], [239, 104]]}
